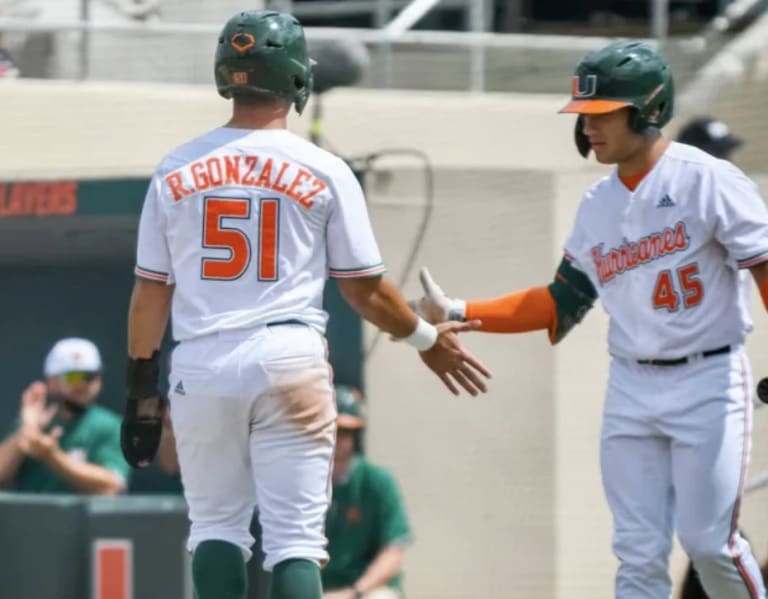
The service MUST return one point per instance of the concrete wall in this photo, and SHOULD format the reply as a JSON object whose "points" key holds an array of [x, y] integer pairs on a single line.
{"points": [[504, 491]]}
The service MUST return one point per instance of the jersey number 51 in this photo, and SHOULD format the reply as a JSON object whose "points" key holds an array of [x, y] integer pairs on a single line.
{"points": [[236, 241]]}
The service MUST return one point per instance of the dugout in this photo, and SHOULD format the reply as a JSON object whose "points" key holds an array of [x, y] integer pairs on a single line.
{"points": [[66, 269]]}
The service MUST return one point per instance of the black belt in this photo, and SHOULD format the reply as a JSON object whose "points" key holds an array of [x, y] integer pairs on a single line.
{"points": [[678, 361], [278, 323]]}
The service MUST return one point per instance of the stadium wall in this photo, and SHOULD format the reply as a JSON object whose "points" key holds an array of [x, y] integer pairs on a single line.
{"points": [[504, 491]]}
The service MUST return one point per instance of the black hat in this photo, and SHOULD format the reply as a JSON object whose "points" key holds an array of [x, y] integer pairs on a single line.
{"points": [[710, 135]]}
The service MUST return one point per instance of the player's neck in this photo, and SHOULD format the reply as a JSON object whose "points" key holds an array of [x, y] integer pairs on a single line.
{"points": [[258, 117], [644, 158]]}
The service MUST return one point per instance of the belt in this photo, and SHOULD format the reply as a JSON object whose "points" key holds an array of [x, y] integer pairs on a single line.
{"points": [[278, 323], [687, 359]]}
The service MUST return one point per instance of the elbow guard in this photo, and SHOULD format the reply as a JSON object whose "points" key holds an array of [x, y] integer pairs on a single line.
{"points": [[574, 295]]}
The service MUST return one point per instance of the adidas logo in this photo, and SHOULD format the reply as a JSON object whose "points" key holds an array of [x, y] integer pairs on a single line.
{"points": [[665, 202], [179, 389]]}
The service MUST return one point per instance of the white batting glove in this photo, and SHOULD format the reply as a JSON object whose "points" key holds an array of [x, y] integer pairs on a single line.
{"points": [[435, 306]]}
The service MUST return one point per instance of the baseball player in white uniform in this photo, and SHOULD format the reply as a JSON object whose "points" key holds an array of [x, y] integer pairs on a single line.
{"points": [[660, 241], [240, 229]]}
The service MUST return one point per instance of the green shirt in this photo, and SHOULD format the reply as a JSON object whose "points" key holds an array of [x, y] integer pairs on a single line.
{"points": [[365, 516], [94, 437]]}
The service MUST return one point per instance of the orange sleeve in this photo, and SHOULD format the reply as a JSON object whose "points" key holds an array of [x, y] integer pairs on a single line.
{"points": [[528, 310]]}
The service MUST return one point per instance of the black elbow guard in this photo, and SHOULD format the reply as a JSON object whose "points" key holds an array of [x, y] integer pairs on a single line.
{"points": [[574, 295]]}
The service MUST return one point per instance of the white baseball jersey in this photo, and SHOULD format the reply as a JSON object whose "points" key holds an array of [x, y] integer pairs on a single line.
{"points": [[248, 225], [664, 258]]}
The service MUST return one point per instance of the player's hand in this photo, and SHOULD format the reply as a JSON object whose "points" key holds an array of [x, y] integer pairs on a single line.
{"points": [[142, 429], [452, 362], [35, 414], [142, 426], [434, 306]]}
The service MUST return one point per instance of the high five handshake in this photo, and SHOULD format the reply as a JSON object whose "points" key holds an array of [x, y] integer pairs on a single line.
{"points": [[448, 358]]}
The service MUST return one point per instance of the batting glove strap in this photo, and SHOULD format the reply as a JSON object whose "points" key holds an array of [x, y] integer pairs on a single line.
{"points": [[456, 309], [142, 424], [142, 376]]}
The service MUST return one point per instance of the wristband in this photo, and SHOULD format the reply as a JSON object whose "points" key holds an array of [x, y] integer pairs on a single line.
{"points": [[457, 310], [423, 337]]}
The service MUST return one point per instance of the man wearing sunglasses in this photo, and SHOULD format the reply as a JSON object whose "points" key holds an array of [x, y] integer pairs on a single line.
{"points": [[63, 442]]}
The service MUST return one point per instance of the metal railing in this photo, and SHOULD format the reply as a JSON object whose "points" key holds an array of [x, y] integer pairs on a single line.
{"points": [[477, 61], [399, 57]]}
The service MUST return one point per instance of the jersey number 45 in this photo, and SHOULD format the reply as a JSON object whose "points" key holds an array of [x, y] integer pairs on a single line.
{"points": [[237, 241], [665, 294]]}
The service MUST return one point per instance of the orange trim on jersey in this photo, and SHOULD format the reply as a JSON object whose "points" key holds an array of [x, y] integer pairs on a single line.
{"points": [[593, 106], [632, 181], [151, 275], [528, 310], [354, 273]]}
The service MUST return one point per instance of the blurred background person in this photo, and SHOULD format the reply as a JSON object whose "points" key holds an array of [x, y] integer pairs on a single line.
{"points": [[8, 68], [366, 525], [711, 135], [63, 442]]}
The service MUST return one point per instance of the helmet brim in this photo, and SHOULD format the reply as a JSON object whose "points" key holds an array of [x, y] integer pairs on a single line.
{"points": [[595, 106]]}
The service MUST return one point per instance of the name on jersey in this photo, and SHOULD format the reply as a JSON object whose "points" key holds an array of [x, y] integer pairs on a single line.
{"points": [[281, 176], [631, 254]]}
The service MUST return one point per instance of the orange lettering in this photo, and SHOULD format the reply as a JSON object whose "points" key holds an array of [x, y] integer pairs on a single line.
{"points": [[199, 176], [301, 177], [54, 197], [28, 198], [176, 183], [14, 200], [251, 162], [278, 186], [232, 169], [317, 187], [214, 172], [42, 199], [266, 173]]}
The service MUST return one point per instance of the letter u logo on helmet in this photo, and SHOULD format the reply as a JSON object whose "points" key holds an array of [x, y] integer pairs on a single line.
{"points": [[584, 86]]}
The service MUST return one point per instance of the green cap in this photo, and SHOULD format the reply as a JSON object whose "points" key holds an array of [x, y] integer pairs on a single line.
{"points": [[349, 403]]}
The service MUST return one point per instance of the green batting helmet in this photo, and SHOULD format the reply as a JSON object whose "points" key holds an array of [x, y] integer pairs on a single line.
{"points": [[350, 408], [624, 74], [264, 52]]}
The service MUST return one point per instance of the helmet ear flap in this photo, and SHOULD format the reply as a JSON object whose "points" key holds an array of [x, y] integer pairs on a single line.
{"points": [[303, 91], [636, 122], [582, 141]]}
